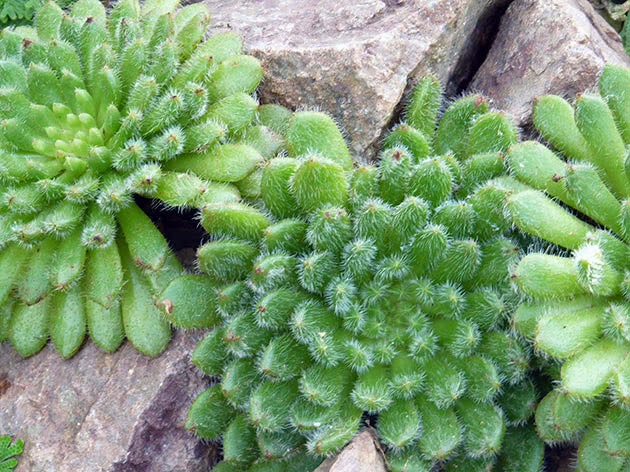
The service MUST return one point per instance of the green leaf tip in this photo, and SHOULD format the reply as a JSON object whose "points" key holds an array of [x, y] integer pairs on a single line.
{"points": [[8, 452]]}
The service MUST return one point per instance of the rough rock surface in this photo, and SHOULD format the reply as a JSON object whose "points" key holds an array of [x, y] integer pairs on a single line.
{"points": [[362, 454], [103, 413], [546, 47], [356, 59]]}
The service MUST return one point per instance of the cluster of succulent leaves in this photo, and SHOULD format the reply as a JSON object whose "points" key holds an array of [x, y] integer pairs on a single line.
{"points": [[578, 313], [8, 451], [21, 12], [95, 108], [379, 291]]}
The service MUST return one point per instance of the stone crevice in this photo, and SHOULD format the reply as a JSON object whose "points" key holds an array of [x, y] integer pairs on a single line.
{"points": [[477, 48]]}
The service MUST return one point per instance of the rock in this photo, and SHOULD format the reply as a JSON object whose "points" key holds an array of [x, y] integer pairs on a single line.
{"points": [[355, 60], [100, 412], [362, 454], [546, 47]]}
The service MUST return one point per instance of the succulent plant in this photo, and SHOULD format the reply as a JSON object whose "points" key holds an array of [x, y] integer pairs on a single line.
{"points": [[21, 12], [578, 313], [8, 453], [96, 108], [380, 291]]}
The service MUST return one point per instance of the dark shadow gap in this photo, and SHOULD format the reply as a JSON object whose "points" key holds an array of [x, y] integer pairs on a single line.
{"points": [[181, 228], [481, 41]]}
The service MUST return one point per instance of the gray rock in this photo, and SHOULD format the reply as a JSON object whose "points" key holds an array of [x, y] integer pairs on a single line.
{"points": [[98, 412], [362, 454], [546, 47], [355, 60]]}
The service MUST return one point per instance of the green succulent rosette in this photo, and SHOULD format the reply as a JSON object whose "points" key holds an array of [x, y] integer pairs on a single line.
{"points": [[577, 316], [380, 291], [96, 108]]}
